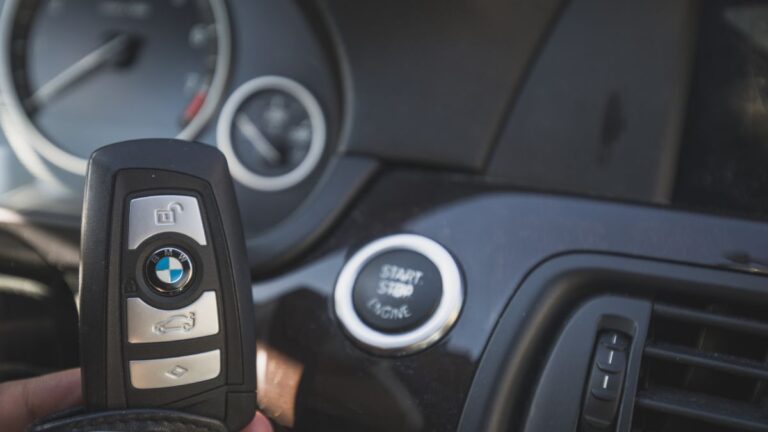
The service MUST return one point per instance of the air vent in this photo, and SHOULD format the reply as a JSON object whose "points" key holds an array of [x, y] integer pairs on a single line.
{"points": [[704, 369]]}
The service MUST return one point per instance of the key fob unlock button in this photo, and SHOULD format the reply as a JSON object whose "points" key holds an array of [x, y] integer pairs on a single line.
{"points": [[158, 214]]}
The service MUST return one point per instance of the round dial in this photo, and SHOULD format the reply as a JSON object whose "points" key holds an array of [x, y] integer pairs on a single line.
{"points": [[272, 130], [77, 75], [272, 133]]}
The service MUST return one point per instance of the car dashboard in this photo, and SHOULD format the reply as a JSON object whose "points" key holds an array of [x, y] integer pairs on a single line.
{"points": [[459, 215]]}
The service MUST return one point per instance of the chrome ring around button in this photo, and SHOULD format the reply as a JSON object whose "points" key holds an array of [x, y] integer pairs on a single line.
{"points": [[426, 334], [169, 270]]}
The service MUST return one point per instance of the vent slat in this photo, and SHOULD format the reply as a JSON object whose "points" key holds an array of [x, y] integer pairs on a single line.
{"points": [[704, 368], [738, 324], [724, 363], [710, 409]]}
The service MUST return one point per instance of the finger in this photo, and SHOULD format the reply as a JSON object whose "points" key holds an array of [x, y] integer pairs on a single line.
{"points": [[23, 401], [259, 424]]}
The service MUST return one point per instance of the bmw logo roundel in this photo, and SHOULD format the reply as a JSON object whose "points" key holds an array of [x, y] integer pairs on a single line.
{"points": [[169, 270]]}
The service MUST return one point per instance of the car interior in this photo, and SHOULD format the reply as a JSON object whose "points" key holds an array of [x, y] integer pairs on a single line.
{"points": [[448, 215]]}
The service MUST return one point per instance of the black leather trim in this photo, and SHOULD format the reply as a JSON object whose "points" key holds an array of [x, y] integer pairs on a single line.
{"points": [[134, 420]]}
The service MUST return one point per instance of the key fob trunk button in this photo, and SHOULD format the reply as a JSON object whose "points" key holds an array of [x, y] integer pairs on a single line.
{"points": [[148, 324]]}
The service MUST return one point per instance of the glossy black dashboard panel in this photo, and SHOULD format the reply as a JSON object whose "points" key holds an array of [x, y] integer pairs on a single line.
{"points": [[498, 237], [457, 63], [618, 111], [463, 86]]}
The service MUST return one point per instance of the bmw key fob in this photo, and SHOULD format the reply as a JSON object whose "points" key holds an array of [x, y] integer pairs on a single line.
{"points": [[166, 308]]}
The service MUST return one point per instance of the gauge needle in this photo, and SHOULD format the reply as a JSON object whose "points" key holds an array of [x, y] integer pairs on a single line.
{"points": [[259, 141], [94, 60]]}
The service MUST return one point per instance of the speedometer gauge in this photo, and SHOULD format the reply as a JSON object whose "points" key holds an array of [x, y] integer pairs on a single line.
{"points": [[76, 75]]}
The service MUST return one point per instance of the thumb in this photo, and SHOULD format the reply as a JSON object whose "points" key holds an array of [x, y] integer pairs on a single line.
{"points": [[259, 424], [23, 401]]}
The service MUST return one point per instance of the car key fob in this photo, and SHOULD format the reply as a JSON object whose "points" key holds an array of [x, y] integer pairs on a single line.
{"points": [[165, 302]]}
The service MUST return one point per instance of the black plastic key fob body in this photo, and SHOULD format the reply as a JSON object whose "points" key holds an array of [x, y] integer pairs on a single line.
{"points": [[165, 303]]}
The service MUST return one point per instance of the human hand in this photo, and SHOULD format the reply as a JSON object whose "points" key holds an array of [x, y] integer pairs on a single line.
{"points": [[24, 401]]}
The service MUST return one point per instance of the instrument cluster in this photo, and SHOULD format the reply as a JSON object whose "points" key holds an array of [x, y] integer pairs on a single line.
{"points": [[75, 76]]}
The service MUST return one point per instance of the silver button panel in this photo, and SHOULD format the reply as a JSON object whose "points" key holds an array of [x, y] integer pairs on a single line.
{"points": [[149, 324], [175, 371], [164, 213]]}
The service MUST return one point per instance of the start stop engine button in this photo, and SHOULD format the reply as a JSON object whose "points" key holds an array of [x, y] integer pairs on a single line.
{"points": [[399, 294], [397, 291]]}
